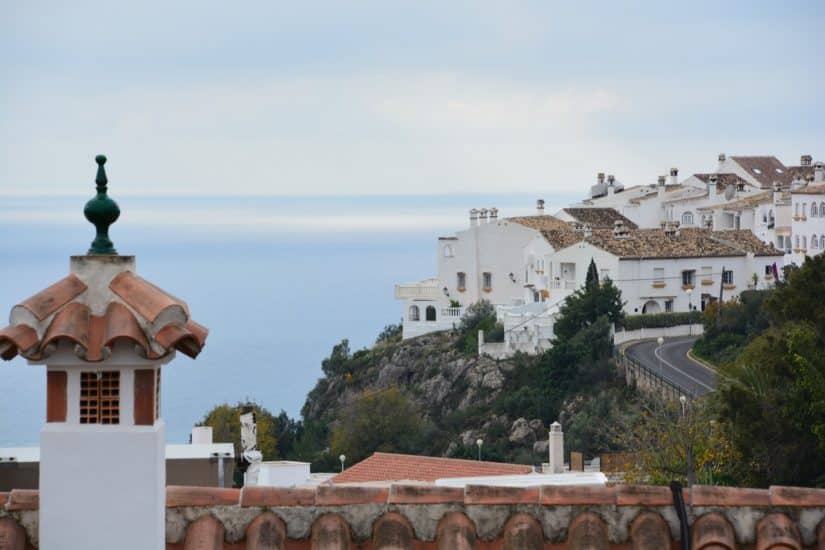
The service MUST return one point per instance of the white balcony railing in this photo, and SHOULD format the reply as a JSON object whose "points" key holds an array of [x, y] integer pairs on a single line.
{"points": [[566, 284], [452, 312], [417, 291]]}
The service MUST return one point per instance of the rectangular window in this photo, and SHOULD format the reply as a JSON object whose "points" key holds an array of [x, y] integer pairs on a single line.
{"points": [[688, 277], [461, 280], [487, 280], [768, 270], [100, 397], [659, 275], [668, 305], [727, 277]]}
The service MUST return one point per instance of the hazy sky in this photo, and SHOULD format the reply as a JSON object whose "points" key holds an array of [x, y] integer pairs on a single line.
{"points": [[400, 97]]}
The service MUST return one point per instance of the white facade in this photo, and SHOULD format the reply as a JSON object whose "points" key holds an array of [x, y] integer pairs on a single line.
{"points": [[284, 473], [807, 222]]}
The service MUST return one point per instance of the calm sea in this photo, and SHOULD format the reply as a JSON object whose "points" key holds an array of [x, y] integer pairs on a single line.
{"points": [[278, 281]]}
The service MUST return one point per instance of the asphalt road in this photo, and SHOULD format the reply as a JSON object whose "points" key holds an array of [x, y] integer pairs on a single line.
{"points": [[675, 366]]}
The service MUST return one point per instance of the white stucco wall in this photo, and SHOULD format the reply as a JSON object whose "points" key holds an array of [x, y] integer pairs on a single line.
{"points": [[806, 226]]}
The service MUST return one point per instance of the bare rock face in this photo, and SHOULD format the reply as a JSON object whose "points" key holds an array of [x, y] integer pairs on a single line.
{"points": [[521, 433]]}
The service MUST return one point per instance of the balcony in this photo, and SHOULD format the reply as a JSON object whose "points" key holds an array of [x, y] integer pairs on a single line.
{"points": [[452, 312], [566, 284], [424, 290]]}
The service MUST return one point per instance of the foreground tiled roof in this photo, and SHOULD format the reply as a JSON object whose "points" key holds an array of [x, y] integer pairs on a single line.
{"points": [[93, 315], [654, 243], [415, 516], [397, 467], [539, 222], [599, 217], [765, 169]]}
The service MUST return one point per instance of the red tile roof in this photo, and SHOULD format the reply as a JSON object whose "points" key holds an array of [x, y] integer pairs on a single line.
{"points": [[397, 467], [133, 310]]}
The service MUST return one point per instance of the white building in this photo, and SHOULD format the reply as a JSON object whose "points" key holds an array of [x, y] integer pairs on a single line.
{"points": [[808, 220], [479, 263]]}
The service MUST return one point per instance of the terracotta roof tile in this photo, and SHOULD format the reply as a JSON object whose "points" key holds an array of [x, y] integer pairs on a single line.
{"points": [[559, 239], [539, 222], [690, 243], [765, 169], [144, 297], [765, 197], [12, 339], [399, 467], [49, 300], [723, 180], [599, 217], [63, 312]]}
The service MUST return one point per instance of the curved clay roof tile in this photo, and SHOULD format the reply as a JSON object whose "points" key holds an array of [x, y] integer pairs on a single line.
{"points": [[49, 300], [119, 324], [71, 322], [14, 340], [144, 297], [180, 338]]}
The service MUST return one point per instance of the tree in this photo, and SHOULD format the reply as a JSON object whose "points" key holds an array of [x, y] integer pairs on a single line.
{"points": [[585, 306], [226, 427], [390, 334], [337, 360], [679, 441], [382, 420], [773, 395], [592, 279]]}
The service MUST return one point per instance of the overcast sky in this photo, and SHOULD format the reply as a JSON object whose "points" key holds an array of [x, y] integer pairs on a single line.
{"points": [[400, 97]]}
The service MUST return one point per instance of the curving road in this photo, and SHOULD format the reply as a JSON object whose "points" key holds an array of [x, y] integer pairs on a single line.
{"points": [[674, 364]]}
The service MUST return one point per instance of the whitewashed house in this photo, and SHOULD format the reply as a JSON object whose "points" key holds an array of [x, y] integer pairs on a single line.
{"points": [[808, 219], [481, 262]]}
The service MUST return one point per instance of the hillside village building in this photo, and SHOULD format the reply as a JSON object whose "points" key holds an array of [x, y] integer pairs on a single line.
{"points": [[751, 217]]}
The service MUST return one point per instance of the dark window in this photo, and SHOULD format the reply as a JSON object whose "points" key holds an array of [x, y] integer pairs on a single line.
{"points": [[430, 312], [461, 280], [668, 305], [727, 277], [688, 277], [488, 280]]}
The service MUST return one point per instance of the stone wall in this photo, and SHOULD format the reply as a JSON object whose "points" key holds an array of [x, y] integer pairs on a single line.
{"points": [[424, 517]]}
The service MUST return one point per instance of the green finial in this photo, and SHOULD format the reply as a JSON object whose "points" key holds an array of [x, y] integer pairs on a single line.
{"points": [[102, 212]]}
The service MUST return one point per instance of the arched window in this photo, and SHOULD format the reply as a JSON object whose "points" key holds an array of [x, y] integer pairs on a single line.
{"points": [[822, 209], [687, 218], [813, 210], [415, 314], [814, 242], [796, 241], [448, 251], [461, 281], [430, 313], [804, 241], [804, 208], [651, 306], [796, 209]]}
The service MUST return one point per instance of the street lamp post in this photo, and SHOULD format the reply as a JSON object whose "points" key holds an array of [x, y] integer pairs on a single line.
{"points": [[479, 442], [342, 458], [690, 310], [660, 341]]}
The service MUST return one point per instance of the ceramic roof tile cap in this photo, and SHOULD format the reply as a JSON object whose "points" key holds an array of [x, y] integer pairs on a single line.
{"points": [[50, 299], [12, 339]]}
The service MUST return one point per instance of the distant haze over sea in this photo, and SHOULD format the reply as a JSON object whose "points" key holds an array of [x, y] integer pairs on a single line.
{"points": [[277, 280]]}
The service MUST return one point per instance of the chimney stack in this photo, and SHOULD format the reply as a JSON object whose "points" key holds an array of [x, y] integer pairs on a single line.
{"points": [[611, 180], [806, 160], [722, 159], [619, 230], [712, 180], [493, 214], [474, 217], [202, 435], [556, 449], [600, 178], [819, 172], [482, 217], [674, 176], [540, 207]]}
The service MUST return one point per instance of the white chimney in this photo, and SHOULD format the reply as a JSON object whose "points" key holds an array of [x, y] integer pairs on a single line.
{"points": [[819, 172], [202, 435], [806, 160], [493, 214], [474, 217], [712, 179], [482, 217], [611, 180], [556, 449], [540, 207], [660, 185], [674, 176], [722, 159]]}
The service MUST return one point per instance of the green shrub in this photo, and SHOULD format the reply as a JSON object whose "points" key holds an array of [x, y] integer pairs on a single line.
{"points": [[660, 320]]}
